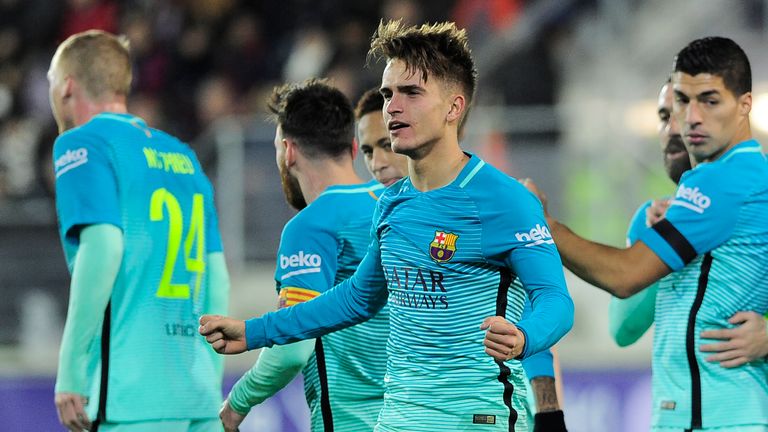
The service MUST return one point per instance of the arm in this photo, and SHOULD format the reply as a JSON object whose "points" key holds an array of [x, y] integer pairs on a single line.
{"points": [[539, 369], [218, 295], [274, 369], [630, 318], [516, 236], [354, 300], [96, 266], [621, 272], [551, 308]]}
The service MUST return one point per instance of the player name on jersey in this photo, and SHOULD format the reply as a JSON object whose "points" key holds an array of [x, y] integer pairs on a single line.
{"points": [[177, 163]]}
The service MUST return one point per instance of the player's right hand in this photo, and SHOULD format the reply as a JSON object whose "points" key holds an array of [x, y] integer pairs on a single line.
{"points": [[230, 418], [226, 335], [71, 410], [657, 211], [503, 340]]}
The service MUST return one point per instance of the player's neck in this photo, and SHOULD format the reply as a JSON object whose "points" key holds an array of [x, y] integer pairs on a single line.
{"points": [[744, 133], [87, 109], [439, 167], [320, 175]]}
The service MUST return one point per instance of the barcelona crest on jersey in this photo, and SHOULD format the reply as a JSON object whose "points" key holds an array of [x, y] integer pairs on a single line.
{"points": [[443, 247]]}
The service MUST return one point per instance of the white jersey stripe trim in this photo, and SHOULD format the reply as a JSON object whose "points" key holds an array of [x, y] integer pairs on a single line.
{"points": [[472, 174], [71, 166], [298, 272], [688, 206], [755, 149], [356, 190]]}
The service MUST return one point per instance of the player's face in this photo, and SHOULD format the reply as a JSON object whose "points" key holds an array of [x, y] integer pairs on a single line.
{"points": [[709, 114], [385, 165], [414, 110], [676, 160], [291, 188], [56, 96]]}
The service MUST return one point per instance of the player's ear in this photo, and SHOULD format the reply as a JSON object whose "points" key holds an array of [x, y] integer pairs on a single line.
{"points": [[355, 148], [456, 109], [745, 103], [290, 151]]}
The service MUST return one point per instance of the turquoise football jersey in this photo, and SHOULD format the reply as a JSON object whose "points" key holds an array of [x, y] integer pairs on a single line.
{"points": [[444, 260], [147, 363], [320, 247], [715, 238]]}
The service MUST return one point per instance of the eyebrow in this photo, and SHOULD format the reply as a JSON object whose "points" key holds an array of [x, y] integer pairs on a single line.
{"points": [[703, 94], [407, 88], [402, 88], [382, 142], [708, 93]]}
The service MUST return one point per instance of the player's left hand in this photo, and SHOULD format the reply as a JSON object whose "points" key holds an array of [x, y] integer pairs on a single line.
{"points": [[230, 419], [743, 344], [226, 335], [656, 211], [71, 410], [503, 340]]}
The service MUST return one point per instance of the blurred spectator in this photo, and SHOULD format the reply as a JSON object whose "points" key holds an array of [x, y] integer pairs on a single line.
{"points": [[82, 15], [194, 61]]}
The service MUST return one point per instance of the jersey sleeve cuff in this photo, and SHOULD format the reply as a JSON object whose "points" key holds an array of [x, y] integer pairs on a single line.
{"points": [[660, 245], [254, 333], [526, 351], [539, 365]]}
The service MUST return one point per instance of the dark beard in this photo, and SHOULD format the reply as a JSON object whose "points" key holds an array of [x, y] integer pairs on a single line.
{"points": [[291, 188], [676, 167]]}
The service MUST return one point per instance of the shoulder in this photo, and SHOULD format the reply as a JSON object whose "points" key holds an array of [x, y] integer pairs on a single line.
{"points": [[493, 190], [85, 135], [305, 222], [637, 223]]}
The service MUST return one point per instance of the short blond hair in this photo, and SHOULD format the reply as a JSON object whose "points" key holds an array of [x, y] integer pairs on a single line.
{"points": [[100, 61]]}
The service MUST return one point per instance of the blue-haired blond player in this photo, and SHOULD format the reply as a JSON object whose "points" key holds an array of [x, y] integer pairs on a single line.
{"points": [[140, 235], [712, 246], [447, 243], [321, 246]]}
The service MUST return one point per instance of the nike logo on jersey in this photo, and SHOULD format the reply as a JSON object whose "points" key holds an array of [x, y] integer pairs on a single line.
{"points": [[70, 160], [692, 199], [536, 236]]}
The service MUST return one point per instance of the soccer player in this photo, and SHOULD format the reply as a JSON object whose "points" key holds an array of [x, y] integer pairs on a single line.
{"points": [[713, 241], [389, 167], [630, 318], [321, 246], [386, 166], [447, 242], [140, 234]]}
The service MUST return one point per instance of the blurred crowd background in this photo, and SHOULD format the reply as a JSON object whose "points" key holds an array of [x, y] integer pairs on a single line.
{"points": [[567, 96]]}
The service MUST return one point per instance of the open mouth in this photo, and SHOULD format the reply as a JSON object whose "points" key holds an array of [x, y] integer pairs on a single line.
{"points": [[396, 125]]}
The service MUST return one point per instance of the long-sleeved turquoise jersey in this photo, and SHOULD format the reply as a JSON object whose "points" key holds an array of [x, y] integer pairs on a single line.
{"points": [[444, 260], [321, 246], [715, 238], [147, 363]]}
